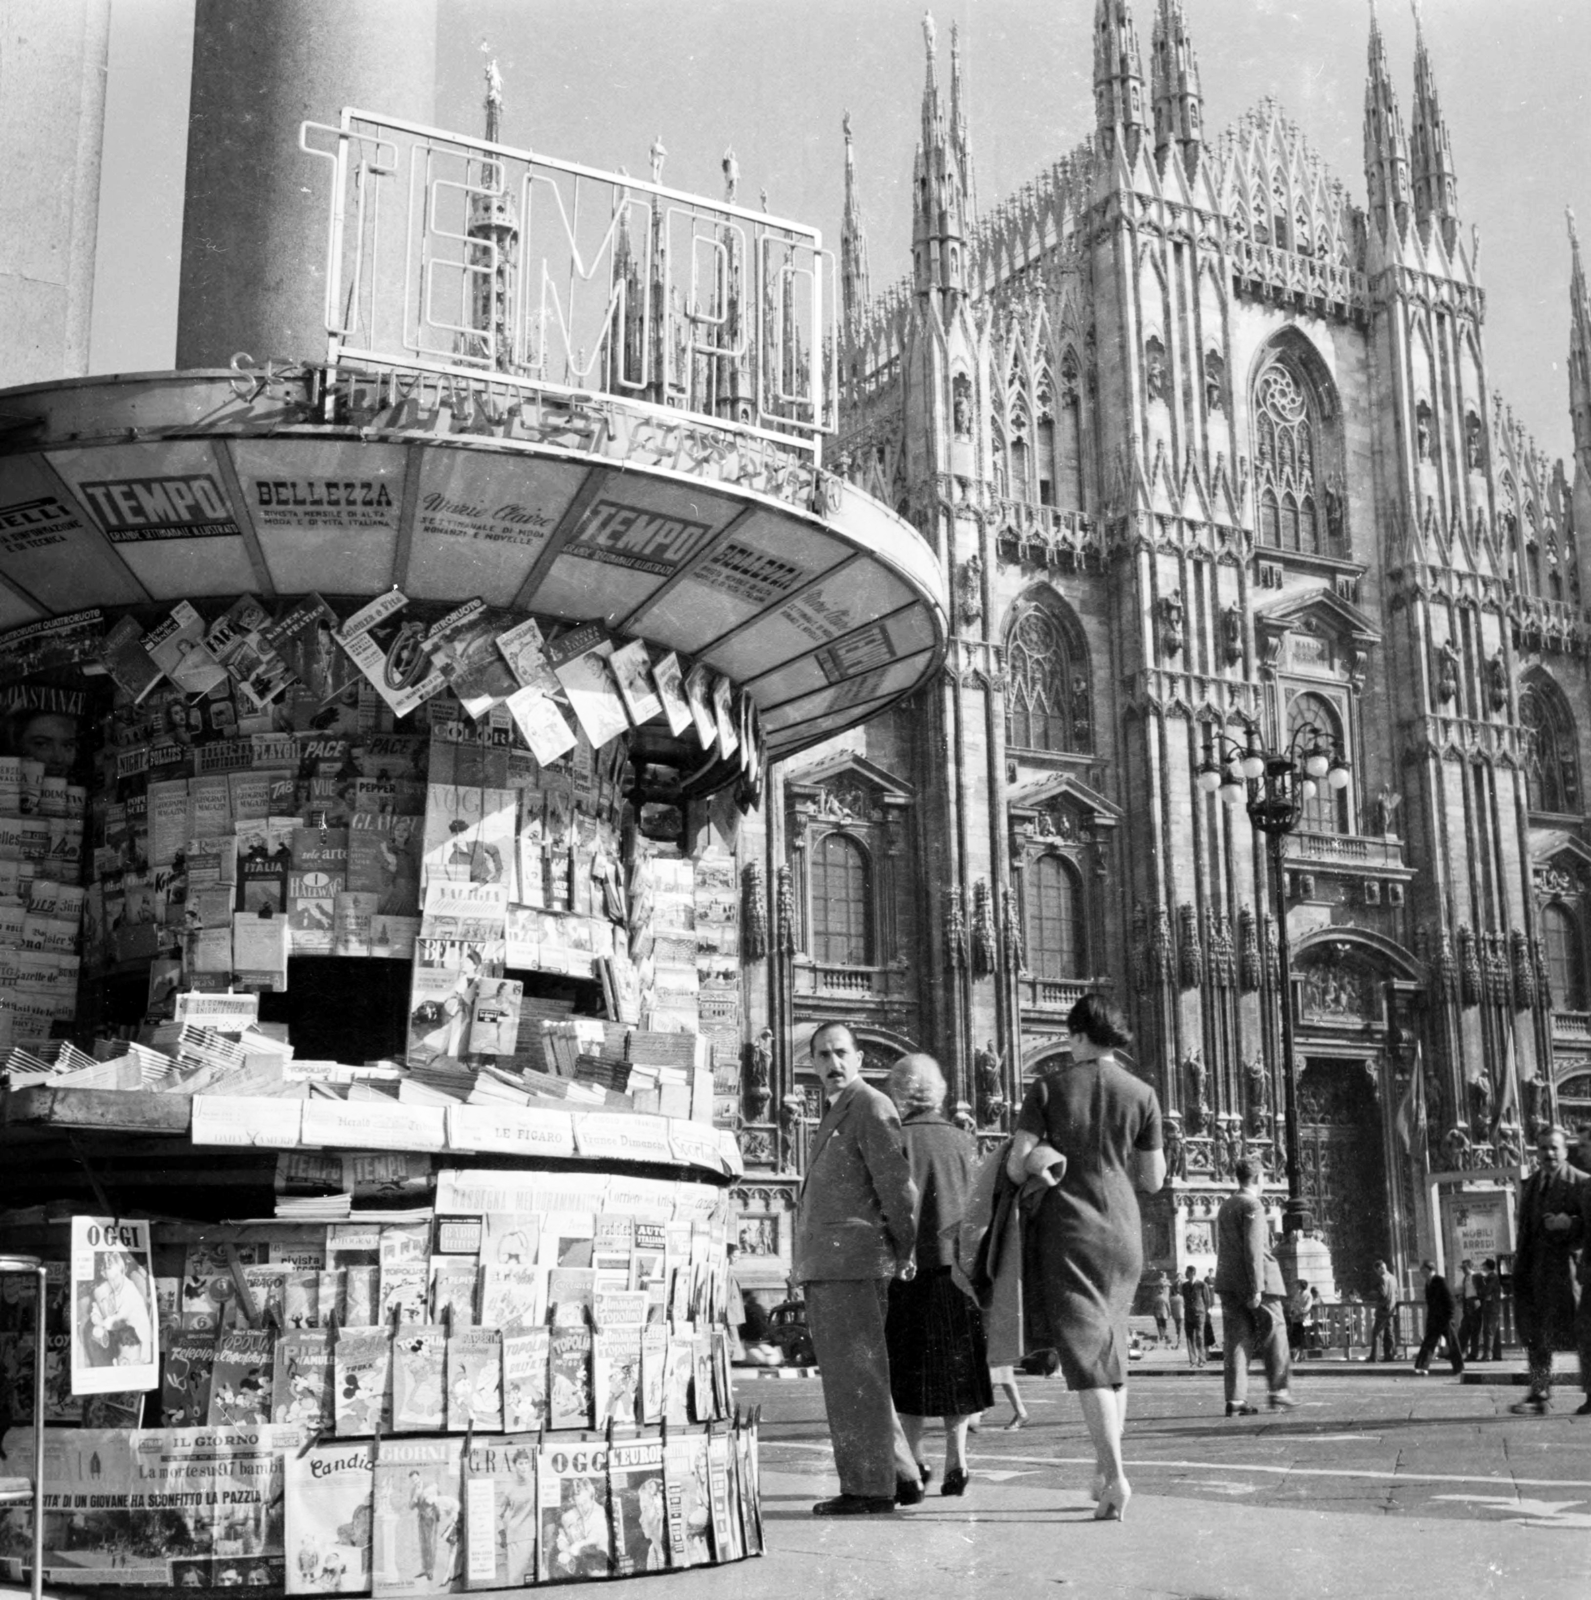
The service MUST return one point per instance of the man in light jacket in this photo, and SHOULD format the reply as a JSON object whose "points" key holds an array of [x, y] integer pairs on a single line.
{"points": [[1253, 1296], [855, 1230]]}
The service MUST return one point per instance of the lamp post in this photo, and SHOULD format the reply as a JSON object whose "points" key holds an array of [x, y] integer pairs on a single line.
{"points": [[1274, 786]]}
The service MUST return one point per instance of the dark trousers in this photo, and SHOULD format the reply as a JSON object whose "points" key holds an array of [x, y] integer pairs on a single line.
{"points": [[846, 1317], [1469, 1330], [1242, 1340], [1381, 1328], [1434, 1330]]}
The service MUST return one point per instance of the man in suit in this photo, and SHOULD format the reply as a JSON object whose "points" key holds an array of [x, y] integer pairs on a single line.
{"points": [[1386, 1304], [1550, 1268], [1469, 1317], [1441, 1322], [855, 1230], [1253, 1296]]}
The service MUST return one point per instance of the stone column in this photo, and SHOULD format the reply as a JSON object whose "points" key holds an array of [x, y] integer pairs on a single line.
{"points": [[254, 232], [52, 122]]}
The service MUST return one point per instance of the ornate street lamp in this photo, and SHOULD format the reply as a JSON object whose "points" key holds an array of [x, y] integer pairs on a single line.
{"points": [[1274, 786]]}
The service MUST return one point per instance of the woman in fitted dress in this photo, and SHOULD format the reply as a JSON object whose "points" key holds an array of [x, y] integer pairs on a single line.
{"points": [[1090, 1134]]}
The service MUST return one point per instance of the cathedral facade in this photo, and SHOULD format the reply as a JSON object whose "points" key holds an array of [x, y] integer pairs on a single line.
{"points": [[1208, 450]]}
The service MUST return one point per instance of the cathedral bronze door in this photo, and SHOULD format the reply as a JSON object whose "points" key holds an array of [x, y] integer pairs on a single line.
{"points": [[1344, 1170]]}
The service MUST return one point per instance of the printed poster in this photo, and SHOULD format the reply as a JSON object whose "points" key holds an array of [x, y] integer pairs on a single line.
{"points": [[329, 1517]]}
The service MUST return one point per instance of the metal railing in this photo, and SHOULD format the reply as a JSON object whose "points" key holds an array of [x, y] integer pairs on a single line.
{"points": [[449, 254]]}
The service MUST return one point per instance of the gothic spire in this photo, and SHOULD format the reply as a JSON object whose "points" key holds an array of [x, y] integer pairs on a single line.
{"points": [[958, 121], [1386, 149], [1579, 350], [854, 291], [1118, 77], [939, 222], [1174, 78], [1435, 186]]}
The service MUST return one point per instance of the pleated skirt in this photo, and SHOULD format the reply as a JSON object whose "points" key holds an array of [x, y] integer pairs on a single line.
{"points": [[938, 1360]]}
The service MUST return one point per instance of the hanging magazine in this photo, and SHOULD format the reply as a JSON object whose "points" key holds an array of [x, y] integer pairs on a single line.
{"points": [[419, 1374], [418, 1533], [500, 1513], [639, 1507], [301, 1387], [475, 1379], [240, 1384], [572, 1503], [569, 1378], [525, 1379], [362, 1360], [685, 1482], [113, 1307], [329, 1512], [185, 1367]]}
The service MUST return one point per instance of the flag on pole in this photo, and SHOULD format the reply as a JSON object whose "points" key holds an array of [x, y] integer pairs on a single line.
{"points": [[1411, 1118]]}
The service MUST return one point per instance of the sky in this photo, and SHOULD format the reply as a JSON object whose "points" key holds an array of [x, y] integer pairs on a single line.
{"points": [[595, 81]]}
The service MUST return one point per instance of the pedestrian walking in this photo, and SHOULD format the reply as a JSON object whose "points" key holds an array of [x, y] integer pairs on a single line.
{"points": [[1160, 1306], [1175, 1297], [1090, 1136], [1385, 1306], [938, 1361], [1195, 1298], [1299, 1311], [1469, 1310], [1253, 1297], [1441, 1323], [1550, 1267], [855, 1231]]}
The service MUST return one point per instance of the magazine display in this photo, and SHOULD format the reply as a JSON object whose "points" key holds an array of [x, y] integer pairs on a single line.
{"points": [[500, 1512], [330, 1500], [241, 1380], [690, 1516], [113, 1307], [639, 1501], [418, 1532], [572, 1505]]}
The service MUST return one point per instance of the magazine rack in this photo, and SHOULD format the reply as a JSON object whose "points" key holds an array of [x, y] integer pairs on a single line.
{"points": [[15, 1491], [70, 1152]]}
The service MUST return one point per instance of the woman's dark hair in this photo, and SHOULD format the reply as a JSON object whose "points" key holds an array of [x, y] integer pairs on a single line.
{"points": [[1097, 1023]]}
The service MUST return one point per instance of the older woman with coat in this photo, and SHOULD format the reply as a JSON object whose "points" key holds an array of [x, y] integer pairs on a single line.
{"points": [[938, 1361]]}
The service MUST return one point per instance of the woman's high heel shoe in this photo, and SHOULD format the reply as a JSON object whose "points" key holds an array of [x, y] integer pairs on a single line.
{"points": [[925, 1472], [1112, 1505], [956, 1481]]}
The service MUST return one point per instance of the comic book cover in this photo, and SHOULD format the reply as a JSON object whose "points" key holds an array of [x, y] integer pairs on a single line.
{"points": [[616, 1373], [419, 1375], [513, 1297], [570, 1294], [569, 1377], [638, 1507], [240, 1382], [301, 1306], [525, 1356], [208, 1289], [572, 1504], [185, 1366], [654, 1371], [679, 1372], [267, 1286], [404, 1292], [500, 1512], [362, 1368], [301, 1382], [475, 1379], [329, 1514], [685, 1486], [453, 1286], [360, 1298], [510, 1238]]}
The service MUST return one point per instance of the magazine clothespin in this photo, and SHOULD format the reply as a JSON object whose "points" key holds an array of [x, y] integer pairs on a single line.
{"points": [[375, 1444], [469, 1435], [310, 1443]]}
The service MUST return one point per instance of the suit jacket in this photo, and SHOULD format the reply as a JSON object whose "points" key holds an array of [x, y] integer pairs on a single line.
{"points": [[856, 1213], [1439, 1307], [1244, 1265]]}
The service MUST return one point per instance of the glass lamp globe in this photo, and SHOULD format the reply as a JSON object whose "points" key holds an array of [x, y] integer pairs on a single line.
{"points": [[1316, 763], [1337, 778]]}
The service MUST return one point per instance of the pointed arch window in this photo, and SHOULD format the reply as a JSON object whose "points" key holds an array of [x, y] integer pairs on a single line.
{"points": [[1288, 458], [1057, 929], [1565, 957], [1047, 697], [842, 923], [1552, 770], [1329, 811]]}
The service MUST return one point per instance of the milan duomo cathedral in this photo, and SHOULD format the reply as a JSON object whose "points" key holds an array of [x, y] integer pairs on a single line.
{"points": [[1204, 437]]}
